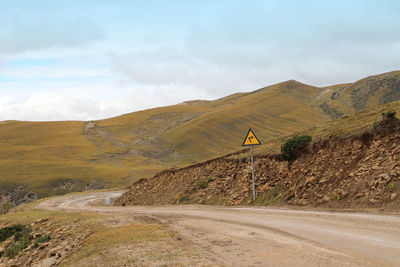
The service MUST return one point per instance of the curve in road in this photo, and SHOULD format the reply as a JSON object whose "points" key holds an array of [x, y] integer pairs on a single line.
{"points": [[245, 236]]}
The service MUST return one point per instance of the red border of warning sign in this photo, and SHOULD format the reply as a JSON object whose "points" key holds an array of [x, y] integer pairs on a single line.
{"points": [[250, 130]]}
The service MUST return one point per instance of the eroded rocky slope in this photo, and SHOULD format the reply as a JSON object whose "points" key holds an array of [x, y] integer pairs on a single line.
{"points": [[354, 171], [12, 196], [49, 244]]}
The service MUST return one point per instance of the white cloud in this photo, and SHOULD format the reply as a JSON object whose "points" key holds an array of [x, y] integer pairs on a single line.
{"points": [[47, 106], [221, 70], [22, 33], [90, 103], [5, 100], [72, 71]]}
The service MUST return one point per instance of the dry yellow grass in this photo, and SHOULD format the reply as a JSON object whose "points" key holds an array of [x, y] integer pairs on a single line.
{"points": [[108, 237]]}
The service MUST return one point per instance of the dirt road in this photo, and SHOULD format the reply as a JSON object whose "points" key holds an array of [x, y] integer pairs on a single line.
{"points": [[246, 236]]}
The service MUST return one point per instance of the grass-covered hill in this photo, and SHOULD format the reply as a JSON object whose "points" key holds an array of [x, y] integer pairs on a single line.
{"points": [[56, 157]]}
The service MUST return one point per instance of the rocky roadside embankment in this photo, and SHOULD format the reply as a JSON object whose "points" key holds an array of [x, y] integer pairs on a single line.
{"points": [[349, 172], [49, 244]]}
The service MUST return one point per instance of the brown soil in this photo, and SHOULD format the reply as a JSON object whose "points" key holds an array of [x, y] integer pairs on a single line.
{"points": [[348, 172]]}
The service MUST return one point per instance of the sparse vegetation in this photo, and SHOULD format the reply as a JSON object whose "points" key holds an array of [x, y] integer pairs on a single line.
{"points": [[392, 186], [17, 246], [203, 183], [4, 208], [8, 231], [389, 114], [21, 238], [292, 145], [335, 196], [375, 124], [184, 198], [274, 196], [41, 239]]}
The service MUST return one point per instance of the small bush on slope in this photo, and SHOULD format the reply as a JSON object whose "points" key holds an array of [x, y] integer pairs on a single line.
{"points": [[293, 144], [21, 240], [203, 183], [8, 231]]}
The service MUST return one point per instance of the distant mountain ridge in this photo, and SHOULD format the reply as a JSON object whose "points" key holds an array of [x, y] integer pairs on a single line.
{"points": [[58, 157]]}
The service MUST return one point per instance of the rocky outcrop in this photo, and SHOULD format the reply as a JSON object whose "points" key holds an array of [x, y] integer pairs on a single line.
{"points": [[64, 186], [11, 196], [333, 113], [391, 86], [355, 171]]}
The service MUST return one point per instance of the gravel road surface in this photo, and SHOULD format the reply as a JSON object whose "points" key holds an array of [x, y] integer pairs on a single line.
{"points": [[252, 236]]}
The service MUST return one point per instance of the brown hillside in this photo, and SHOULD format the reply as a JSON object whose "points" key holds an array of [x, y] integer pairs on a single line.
{"points": [[356, 171], [50, 158]]}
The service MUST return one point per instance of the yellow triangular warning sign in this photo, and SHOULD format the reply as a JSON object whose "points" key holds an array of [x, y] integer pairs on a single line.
{"points": [[251, 139]]}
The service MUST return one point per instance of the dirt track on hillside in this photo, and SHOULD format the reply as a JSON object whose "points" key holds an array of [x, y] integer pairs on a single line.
{"points": [[243, 236]]}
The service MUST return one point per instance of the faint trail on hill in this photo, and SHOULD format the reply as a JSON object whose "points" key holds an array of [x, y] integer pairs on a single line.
{"points": [[91, 128], [265, 236], [98, 135]]}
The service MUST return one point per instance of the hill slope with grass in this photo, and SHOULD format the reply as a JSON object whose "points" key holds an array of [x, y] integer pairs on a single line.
{"points": [[50, 158]]}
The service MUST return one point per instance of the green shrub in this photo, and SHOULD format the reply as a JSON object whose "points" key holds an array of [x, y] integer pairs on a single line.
{"points": [[8, 231], [41, 239], [211, 179], [203, 183], [389, 114], [21, 240], [295, 143], [16, 247], [379, 122]]}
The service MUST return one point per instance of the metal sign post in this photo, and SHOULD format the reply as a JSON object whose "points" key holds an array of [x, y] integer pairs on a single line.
{"points": [[252, 174], [252, 140]]}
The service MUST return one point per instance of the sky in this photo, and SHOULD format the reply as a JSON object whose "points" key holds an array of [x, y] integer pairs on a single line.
{"points": [[93, 59]]}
